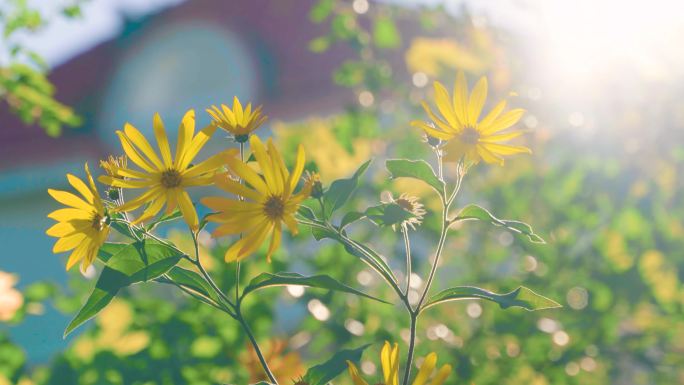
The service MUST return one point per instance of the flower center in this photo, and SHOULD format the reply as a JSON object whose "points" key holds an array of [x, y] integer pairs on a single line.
{"points": [[98, 222], [274, 208], [470, 135], [405, 204], [171, 178]]}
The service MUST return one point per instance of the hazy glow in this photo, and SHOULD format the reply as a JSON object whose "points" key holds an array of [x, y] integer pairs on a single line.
{"points": [[588, 38]]}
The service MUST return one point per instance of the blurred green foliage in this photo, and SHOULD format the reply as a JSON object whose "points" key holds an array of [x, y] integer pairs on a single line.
{"points": [[24, 85], [613, 257]]}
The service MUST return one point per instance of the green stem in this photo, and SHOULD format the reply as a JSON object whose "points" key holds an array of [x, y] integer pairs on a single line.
{"points": [[255, 345], [407, 244], [412, 345]]}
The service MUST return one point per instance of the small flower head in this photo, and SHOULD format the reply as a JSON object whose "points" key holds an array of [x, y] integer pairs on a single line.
{"points": [[389, 360], [468, 137], [113, 164], [269, 201], [238, 122], [82, 226], [164, 178], [314, 179], [411, 205]]}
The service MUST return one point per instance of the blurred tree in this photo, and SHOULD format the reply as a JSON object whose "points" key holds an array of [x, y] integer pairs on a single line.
{"points": [[24, 85]]}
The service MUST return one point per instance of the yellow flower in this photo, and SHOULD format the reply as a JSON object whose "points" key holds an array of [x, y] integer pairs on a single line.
{"points": [[389, 358], [467, 136], [237, 121], [165, 179], [268, 204], [82, 226]]}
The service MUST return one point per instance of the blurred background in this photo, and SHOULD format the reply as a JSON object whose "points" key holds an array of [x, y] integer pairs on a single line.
{"points": [[603, 84]]}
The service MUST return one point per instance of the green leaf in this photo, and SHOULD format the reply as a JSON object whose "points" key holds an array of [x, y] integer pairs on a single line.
{"points": [[192, 281], [385, 33], [417, 169], [324, 373], [322, 281], [319, 44], [387, 214], [476, 212], [108, 249], [321, 10], [520, 297], [350, 218], [341, 190], [133, 263], [307, 213]]}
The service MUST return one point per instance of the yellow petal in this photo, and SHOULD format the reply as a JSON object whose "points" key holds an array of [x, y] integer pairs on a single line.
{"points": [[477, 101], [186, 130], [426, 369], [153, 209], [162, 140], [298, 169], [275, 241], [267, 167], [195, 146], [143, 198], [69, 199], [354, 373], [461, 97], [249, 244], [238, 224], [441, 375], [221, 204], [237, 110], [65, 215], [444, 105], [62, 229], [77, 255], [435, 133], [138, 139], [291, 224], [68, 242], [210, 165], [386, 361], [439, 122], [248, 175], [489, 156], [187, 209], [504, 149], [224, 182], [81, 188], [133, 154], [229, 115], [492, 115], [503, 122], [126, 183], [501, 137]]}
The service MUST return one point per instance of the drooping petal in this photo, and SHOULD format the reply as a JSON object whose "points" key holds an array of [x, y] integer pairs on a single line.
{"points": [[291, 224], [187, 209], [69, 242], [275, 240], [77, 255], [140, 199], [249, 244], [153, 209]]}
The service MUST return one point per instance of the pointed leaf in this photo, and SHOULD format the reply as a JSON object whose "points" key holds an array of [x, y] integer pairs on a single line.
{"points": [[341, 190], [324, 373], [417, 169], [476, 212], [520, 297], [350, 218], [387, 214], [132, 263], [322, 281]]}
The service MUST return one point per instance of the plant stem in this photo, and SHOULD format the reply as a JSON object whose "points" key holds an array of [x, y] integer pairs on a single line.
{"points": [[255, 345], [412, 345], [407, 244]]}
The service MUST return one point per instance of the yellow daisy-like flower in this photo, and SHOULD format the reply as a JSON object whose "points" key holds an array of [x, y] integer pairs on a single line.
{"points": [[237, 121], [164, 178], [269, 202], [82, 226], [467, 136], [389, 359]]}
